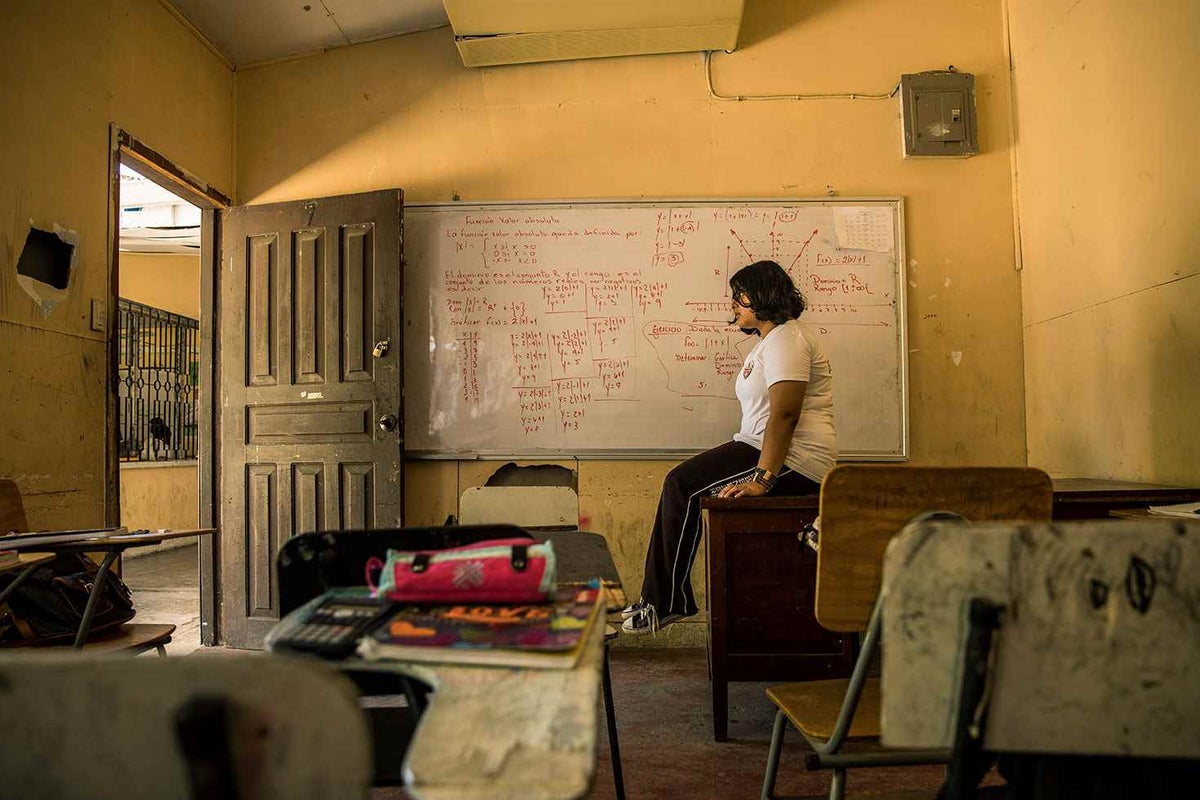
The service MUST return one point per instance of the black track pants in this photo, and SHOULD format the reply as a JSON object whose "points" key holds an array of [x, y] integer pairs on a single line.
{"points": [[676, 536]]}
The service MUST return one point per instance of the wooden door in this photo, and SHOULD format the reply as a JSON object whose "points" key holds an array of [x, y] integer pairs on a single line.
{"points": [[309, 408]]}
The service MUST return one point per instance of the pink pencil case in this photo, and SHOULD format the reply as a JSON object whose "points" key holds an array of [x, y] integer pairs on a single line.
{"points": [[493, 571]]}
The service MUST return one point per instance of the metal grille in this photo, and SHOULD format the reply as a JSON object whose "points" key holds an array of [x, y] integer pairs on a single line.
{"points": [[158, 374]]}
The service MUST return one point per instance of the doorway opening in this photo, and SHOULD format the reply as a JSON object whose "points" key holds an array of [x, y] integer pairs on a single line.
{"points": [[160, 393], [158, 380]]}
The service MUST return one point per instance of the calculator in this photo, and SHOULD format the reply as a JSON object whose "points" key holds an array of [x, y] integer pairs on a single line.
{"points": [[333, 628]]}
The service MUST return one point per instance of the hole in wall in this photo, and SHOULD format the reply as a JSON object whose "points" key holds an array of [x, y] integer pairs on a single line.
{"points": [[533, 475], [46, 258]]}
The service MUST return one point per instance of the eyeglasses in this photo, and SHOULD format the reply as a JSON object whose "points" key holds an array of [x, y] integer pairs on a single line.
{"points": [[741, 300]]}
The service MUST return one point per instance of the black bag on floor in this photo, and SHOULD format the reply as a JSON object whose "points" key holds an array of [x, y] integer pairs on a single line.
{"points": [[48, 607]]}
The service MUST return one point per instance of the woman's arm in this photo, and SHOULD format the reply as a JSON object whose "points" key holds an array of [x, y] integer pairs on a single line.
{"points": [[786, 399]]}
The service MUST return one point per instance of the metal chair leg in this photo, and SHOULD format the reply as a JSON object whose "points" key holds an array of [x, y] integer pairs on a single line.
{"points": [[89, 610], [837, 786], [611, 716], [768, 789]]}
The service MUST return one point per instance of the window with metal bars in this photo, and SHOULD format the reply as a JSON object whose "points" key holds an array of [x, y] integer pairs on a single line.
{"points": [[158, 376]]}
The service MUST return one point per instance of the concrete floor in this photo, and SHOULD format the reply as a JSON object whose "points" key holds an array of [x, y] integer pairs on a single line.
{"points": [[166, 590], [662, 707], [665, 727]]}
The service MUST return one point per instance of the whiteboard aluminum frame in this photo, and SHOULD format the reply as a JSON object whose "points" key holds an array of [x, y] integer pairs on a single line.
{"points": [[626, 454]]}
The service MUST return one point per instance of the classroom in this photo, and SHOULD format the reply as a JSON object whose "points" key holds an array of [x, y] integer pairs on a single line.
{"points": [[1052, 279]]}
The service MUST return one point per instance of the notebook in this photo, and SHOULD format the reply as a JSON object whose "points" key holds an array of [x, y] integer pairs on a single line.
{"points": [[1188, 510], [546, 635]]}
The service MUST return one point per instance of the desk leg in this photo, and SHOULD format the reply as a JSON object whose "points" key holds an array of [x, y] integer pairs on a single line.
{"points": [[17, 581], [89, 611], [610, 714], [718, 616], [720, 703]]}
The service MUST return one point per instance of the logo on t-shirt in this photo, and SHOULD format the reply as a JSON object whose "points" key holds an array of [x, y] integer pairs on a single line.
{"points": [[749, 368]]}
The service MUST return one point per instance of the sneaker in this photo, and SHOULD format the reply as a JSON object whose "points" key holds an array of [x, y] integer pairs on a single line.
{"points": [[647, 621], [632, 609]]}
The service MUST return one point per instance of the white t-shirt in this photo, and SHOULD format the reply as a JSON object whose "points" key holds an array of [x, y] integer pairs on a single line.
{"points": [[791, 352]]}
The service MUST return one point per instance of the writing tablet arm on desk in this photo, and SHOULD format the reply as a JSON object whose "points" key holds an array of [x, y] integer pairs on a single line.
{"points": [[508, 733], [111, 541]]}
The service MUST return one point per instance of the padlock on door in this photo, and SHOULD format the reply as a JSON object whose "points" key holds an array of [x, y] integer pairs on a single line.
{"points": [[381, 348]]}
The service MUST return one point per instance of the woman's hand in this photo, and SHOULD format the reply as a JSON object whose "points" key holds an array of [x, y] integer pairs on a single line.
{"points": [[747, 489]]}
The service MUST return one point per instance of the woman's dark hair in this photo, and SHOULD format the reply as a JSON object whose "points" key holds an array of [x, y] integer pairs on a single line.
{"points": [[770, 291]]}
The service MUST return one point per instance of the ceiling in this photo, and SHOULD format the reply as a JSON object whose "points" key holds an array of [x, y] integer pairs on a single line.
{"points": [[265, 30], [155, 221]]}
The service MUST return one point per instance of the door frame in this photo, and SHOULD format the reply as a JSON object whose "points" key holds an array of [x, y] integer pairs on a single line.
{"points": [[125, 149]]}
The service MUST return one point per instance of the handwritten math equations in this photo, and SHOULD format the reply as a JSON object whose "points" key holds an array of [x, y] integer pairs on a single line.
{"points": [[602, 328]]}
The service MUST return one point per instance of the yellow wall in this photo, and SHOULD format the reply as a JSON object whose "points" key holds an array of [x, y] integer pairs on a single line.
{"points": [[404, 112], [167, 281], [1107, 178], [71, 67], [155, 496]]}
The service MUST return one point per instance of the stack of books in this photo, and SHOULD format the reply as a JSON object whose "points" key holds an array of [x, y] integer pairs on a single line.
{"points": [[547, 635]]}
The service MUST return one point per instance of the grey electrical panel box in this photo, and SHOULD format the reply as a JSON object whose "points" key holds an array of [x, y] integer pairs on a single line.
{"points": [[938, 109]]}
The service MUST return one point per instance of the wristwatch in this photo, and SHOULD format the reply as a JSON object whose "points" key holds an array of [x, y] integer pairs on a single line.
{"points": [[765, 477]]}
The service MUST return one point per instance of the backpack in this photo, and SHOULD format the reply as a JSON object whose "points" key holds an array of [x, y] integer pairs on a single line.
{"points": [[48, 607]]}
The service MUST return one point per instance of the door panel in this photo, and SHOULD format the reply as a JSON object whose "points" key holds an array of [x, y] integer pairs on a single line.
{"points": [[306, 290]]}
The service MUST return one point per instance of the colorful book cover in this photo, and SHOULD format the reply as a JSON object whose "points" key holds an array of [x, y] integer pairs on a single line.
{"points": [[546, 634]]}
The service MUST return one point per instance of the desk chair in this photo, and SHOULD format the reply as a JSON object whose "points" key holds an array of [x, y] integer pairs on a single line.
{"points": [[527, 506], [131, 637], [546, 507], [204, 727], [1071, 649], [862, 507], [310, 564]]}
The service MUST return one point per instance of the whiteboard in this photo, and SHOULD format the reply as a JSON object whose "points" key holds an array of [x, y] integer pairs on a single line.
{"points": [[601, 328]]}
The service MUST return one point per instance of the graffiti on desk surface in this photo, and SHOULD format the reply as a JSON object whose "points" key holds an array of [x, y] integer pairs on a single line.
{"points": [[1140, 582], [1063, 586]]}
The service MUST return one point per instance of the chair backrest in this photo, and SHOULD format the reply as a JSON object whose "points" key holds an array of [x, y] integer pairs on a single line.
{"points": [[1098, 652], [198, 727], [12, 510], [527, 506], [310, 564], [863, 506]]}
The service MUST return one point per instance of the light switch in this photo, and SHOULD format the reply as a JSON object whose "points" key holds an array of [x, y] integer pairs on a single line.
{"points": [[99, 315]]}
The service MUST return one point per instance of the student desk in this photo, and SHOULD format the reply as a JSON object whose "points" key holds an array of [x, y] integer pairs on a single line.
{"points": [[761, 580], [1103, 658], [112, 542], [1095, 498], [496, 732]]}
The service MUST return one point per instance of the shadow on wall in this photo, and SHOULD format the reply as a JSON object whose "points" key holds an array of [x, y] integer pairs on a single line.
{"points": [[763, 19]]}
